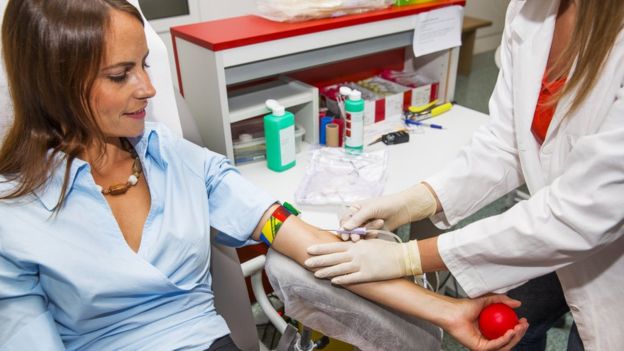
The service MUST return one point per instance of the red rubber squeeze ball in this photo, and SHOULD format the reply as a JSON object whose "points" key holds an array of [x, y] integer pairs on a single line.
{"points": [[496, 319]]}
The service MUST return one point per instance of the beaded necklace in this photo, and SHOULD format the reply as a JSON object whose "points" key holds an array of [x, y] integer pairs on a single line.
{"points": [[133, 179]]}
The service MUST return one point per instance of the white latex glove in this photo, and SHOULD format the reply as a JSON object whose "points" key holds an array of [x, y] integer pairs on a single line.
{"points": [[364, 261], [391, 211]]}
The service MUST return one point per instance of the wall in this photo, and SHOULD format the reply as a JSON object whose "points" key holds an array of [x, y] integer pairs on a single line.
{"points": [[209, 10], [214, 9], [494, 10]]}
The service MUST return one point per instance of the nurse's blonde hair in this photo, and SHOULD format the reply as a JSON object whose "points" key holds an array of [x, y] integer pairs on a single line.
{"points": [[598, 24]]}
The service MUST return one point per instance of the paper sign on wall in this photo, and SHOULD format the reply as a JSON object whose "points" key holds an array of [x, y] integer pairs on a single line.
{"points": [[437, 30]]}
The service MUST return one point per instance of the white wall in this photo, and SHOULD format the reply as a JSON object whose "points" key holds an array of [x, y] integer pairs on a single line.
{"points": [[214, 9], [494, 10], [209, 10]]}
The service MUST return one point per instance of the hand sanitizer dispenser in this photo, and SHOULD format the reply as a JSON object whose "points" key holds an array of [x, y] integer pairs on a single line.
{"points": [[279, 132]]}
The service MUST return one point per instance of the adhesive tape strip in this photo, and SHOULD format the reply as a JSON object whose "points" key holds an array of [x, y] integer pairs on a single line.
{"points": [[331, 134]]}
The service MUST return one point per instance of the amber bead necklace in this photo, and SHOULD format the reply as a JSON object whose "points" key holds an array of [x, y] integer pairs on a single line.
{"points": [[133, 179]]}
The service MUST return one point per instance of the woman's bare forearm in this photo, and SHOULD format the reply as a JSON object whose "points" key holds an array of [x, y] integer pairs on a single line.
{"points": [[295, 236]]}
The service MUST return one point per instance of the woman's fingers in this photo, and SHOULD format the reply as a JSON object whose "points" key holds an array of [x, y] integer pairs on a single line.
{"points": [[503, 299], [517, 333]]}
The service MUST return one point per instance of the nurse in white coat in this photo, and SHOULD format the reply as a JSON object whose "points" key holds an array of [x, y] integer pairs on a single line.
{"points": [[573, 223]]}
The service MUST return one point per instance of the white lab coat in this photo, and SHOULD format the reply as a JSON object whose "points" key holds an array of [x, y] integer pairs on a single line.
{"points": [[574, 221]]}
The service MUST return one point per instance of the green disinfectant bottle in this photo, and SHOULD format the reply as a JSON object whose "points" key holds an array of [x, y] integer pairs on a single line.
{"points": [[279, 132], [354, 131]]}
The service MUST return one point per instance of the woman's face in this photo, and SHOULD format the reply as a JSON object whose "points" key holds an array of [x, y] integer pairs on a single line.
{"points": [[122, 87]]}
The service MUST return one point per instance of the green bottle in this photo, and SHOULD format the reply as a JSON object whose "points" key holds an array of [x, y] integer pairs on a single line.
{"points": [[354, 131], [279, 132]]}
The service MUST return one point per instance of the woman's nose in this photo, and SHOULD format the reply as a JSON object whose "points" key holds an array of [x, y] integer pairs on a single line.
{"points": [[145, 90]]}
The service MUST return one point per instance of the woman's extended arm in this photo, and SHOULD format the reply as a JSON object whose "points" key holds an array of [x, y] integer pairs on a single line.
{"points": [[458, 317]]}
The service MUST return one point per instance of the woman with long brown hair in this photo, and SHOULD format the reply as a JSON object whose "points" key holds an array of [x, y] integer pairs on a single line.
{"points": [[557, 125], [105, 218]]}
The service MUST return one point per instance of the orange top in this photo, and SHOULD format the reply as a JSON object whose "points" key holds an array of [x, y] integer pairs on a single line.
{"points": [[543, 112]]}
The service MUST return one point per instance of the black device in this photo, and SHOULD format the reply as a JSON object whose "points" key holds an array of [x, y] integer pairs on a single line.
{"points": [[398, 137]]}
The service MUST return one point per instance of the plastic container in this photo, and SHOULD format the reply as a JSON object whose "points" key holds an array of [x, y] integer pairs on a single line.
{"points": [[279, 132], [354, 133], [252, 147]]}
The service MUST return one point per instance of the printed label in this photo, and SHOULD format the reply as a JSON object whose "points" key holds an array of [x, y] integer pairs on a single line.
{"points": [[394, 107], [355, 135], [287, 145], [421, 95]]}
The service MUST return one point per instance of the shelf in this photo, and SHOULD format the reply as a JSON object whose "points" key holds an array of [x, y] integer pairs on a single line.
{"points": [[251, 102], [210, 60], [311, 58]]}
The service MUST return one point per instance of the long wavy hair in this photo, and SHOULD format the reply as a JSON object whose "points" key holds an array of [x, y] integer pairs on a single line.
{"points": [[598, 24], [52, 50]]}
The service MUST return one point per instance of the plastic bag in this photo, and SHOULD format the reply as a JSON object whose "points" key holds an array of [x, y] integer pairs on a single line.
{"points": [[301, 10], [334, 177]]}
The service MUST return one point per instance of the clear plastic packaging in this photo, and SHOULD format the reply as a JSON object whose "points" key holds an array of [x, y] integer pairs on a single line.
{"points": [[334, 177], [302, 10], [382, 87], [405, 78]]}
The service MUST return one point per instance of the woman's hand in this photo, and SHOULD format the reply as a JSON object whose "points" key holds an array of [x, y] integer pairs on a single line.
{"points": [[463, 324]]}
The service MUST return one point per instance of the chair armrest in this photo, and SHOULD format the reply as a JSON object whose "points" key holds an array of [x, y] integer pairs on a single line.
{"points": [[340, 314], [253, 268]]}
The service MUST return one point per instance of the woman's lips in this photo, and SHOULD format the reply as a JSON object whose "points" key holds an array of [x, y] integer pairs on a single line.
{"points": [[140, 114]]}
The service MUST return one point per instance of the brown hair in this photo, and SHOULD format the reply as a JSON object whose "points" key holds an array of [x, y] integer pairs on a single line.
{"points": [[598, 23], [52, 50]]}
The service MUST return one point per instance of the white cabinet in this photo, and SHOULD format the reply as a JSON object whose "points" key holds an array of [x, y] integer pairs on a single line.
{"points": [[213, 56]]}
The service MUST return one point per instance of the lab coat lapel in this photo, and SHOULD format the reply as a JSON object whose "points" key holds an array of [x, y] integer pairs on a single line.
{"points": [[563, 106], [533, 32]]}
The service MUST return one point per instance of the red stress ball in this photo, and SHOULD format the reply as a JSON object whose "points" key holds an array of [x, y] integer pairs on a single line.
{"points": [[496, 319]]}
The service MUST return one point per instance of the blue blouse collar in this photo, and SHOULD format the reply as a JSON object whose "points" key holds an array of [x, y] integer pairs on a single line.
{"points": [[147, 145]]}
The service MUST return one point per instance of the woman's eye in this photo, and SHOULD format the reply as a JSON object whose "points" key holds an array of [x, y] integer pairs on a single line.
{"points": [[118, 78]]}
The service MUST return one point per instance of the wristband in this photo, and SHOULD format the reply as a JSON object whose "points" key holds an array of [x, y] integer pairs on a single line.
{"points": [[273, 224]]}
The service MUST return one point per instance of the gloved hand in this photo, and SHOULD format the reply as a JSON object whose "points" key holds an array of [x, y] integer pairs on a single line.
{"points": [[364, 261], [391, 211]]}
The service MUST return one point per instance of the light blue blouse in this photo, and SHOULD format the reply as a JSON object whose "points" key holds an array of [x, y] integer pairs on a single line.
{"points": [[70, 281]]}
